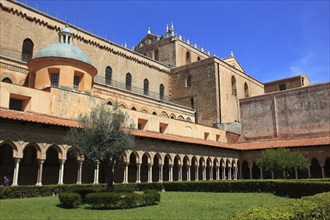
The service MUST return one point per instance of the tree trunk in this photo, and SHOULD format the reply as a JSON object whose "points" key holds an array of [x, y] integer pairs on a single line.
{"points": [[110, 176]]}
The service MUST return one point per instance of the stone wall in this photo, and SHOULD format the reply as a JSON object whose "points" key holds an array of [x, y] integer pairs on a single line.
{"points": [[297, 112]]}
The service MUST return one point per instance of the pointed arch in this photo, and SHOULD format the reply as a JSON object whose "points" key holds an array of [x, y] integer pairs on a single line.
{"points": [[188, 59], [108, 75], [146, 87], [161, 92], [128, 85], [27, 50], [246, 90], [233, 85], [164, 114]]}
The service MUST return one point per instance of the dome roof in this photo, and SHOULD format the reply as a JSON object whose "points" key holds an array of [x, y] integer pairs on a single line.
{"points": [[65, 51]]}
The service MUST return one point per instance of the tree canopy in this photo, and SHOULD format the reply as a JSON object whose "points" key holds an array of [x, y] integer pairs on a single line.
{"points": [[103, 135], [282, 160]]}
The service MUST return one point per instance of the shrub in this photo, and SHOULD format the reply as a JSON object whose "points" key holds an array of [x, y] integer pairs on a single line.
{"points": [[314, 207], [69, 200], [115, 200], [47, 190], [150, 197]]}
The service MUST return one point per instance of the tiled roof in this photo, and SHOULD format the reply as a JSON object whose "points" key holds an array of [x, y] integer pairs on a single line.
{"points": [[176, 138], [283, 143], [37, 118], [46, 119]]}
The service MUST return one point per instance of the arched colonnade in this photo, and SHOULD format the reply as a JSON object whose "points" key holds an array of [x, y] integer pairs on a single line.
{"points": [[29, 163]]}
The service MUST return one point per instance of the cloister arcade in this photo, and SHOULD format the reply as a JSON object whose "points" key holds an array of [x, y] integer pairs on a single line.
{"points": [[34, 164], [317, 168], [31, 164]]}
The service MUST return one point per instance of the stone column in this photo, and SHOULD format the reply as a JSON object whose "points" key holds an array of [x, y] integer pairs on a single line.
{"points": [[223, 173], [251, 174], [79, 175], [138, 172], [240, 173], [272, 172], [125, 180], [188, 173], [217, 176], [309, 172], [296, 173], [204, 172], [236, 173], [211, 172], [39, 177], [96, 172], [160, 172], [180, 172], [170, 175], [61, 172], [196, 172], [322, 169], [150, 172], [229, 173], [16, 169], [261, 173]]}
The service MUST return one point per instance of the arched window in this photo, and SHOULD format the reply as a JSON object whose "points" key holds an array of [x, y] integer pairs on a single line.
{"points": [[27, 50], [109, 103], [145, 87], [187, 58], [198, 58], [157, 54], [128, 81], [108, 75], [7, 80], [133, 109], [161, 92], [233, 86], [246, 90]]}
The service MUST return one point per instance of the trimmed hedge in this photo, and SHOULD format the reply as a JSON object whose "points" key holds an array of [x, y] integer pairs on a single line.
{"points": [[107, 200], [69, 200], [51, 190], [313, 207], [291, 188], [47, 190]]}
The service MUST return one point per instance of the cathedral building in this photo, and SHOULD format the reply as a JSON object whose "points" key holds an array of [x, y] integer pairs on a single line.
{"points": [[197, 116]]}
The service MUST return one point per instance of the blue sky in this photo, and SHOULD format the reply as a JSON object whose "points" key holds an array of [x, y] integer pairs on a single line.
{"points": [[270, 39]]}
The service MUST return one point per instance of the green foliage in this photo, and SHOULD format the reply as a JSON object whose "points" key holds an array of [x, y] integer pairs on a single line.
{"points": [[104, 135], [314, 207], [291, 188], [48, 190], [122, 200], [282, 160], [69, 200], [151, 197]]}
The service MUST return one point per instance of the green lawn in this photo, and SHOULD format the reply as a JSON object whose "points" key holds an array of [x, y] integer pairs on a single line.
{"points": [[173, 205]]}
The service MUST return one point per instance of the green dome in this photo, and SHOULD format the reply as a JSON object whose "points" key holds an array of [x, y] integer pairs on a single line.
{"points": [[65, 51]]}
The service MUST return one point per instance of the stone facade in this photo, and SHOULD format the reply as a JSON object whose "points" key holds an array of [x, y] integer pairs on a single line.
{"points": [[287, 114], [287, 83], [177, 95]]}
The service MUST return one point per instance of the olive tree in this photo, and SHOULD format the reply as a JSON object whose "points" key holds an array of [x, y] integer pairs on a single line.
{"points": [[103, 136], [282, 160]]}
